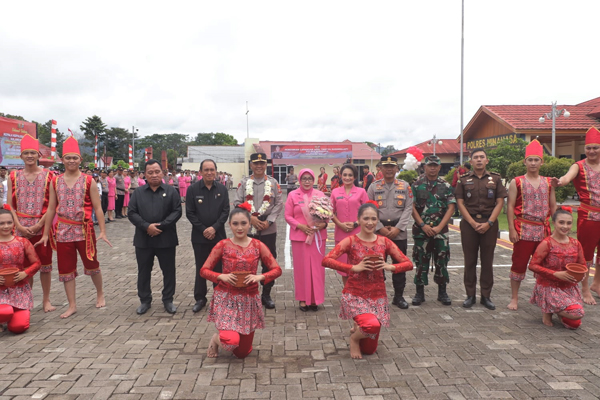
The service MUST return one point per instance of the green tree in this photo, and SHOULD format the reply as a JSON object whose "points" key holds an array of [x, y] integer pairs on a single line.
{"points": [[388, 150], [552, 167], [505, 154], [13, 117], [174, 141], [171, 159], [408, 175], [93, 126], [214, 139]]}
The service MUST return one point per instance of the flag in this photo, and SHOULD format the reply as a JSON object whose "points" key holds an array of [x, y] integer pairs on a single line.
{"points": [[95, 152], [70, 131], [53, 140], [130, 157]]}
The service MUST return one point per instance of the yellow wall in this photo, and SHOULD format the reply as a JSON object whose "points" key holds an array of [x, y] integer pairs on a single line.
{"points": [[235, 169]]}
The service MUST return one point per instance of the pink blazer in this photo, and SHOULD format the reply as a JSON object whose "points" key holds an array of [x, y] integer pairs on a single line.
{"points": [[294, 215]]}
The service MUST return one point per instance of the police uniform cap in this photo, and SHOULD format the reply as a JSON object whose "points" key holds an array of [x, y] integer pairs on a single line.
{"points": [[258, 157], [389, 160]]}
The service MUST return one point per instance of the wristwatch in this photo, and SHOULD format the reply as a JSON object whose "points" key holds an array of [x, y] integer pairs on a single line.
{"points": [[422, 224], [490, 222], [355, 224]]}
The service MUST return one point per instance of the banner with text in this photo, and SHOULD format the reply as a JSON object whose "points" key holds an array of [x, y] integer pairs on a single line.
{"points": [[311, 151], [11, 133]]}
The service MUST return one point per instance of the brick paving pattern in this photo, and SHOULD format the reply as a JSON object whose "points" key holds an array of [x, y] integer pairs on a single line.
{"points": [[429, 352]]}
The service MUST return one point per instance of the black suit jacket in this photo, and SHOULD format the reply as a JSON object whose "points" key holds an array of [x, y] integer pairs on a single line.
{"points": [[205, 208]]}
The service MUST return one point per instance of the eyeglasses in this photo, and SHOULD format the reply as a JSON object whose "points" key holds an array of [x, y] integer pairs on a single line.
{"points": [[310, 179]]}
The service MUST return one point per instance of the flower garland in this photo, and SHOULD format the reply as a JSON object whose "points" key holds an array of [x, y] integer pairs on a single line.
{"points": [[250, 198]]}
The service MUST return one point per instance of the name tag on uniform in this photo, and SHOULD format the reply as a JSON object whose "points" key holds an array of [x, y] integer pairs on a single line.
{"points": [[339, 197]]}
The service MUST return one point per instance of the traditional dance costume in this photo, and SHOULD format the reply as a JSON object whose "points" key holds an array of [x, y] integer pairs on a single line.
{"points": [[30, 201], [345, 207], [75, 229], [237, 311], [335, 182], [364, 298], [322, 183], [16, 301], [551, 294]]}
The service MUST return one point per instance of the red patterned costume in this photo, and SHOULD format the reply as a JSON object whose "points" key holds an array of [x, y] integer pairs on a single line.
{"points": [[551, 294], [237, 312], [587, 184], [16, 301], [75, 229], [364, 298], [30, 201], [322, 183]]}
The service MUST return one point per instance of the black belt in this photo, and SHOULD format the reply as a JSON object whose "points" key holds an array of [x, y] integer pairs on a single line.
{"points": [[480, 215], [390, 222]]}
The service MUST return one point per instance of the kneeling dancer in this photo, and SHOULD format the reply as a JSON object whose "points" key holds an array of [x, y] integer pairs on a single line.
{"points": [[556, 291], [15, 300], [364, 298], [237, 311]]}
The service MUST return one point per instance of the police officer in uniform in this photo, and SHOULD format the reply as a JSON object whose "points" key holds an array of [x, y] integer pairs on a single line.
{"points": [[263, 219], [394, 198], [433, 206], [480, 196]]}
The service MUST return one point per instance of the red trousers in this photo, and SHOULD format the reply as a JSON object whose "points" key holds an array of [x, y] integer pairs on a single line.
{"points": [[240, 345], [66, 257], [369, 326], [17, 319], [523, 250], [588, 234]]}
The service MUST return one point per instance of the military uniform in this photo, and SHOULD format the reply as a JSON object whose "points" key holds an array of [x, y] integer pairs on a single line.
{"points": [[269, 235], [395, 209], [431, 201], [479, 195]]}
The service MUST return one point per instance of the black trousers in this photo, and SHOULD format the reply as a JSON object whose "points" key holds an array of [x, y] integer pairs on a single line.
{"points": [[104, 202], [201, 253], [119, 204], [271, 242], [166, 261], [399, 280]]}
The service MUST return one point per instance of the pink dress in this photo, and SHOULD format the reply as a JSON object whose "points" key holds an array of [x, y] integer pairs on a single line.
{"points": [[112, 190], [141, 182], [127, 182], [232, 308], [309, 275], [182, 185], [345, 207]]}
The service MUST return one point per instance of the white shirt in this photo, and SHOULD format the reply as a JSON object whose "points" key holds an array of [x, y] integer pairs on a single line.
{"points": [[4, 191], [100, 187]]}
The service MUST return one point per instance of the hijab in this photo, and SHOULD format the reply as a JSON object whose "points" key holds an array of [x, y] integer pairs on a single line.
{"points": [[302, 172]]}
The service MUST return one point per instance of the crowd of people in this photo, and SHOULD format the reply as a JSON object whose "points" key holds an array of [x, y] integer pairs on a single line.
{"points": [[371, 226]]}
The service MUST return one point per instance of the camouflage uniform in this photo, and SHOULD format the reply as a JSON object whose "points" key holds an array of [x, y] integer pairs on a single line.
{"points": [[431, 200]]}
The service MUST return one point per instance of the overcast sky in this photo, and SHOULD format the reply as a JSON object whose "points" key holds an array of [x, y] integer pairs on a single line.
{"points": [[383, 71]]}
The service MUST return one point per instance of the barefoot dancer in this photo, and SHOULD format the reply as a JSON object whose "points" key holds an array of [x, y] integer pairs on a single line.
{"points": [[364, 298], [531, 202], [72, 196], [556, 291], [237, 311], [585, 175], [17, 252], [28, 194]]}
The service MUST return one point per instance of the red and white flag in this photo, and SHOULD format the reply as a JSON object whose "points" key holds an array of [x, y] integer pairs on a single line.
{"points": [[96, 152], [130, 157], [53, 140]]}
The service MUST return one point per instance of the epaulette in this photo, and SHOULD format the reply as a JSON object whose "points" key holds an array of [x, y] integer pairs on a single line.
{"points": [[494, 173], [465, 174]]}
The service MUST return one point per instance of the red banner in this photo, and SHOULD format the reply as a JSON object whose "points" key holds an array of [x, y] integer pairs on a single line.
{"points": [[11, 133], [311, 151]]}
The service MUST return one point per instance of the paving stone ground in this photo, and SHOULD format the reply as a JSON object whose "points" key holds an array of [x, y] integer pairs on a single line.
{"points": [[428, 352]]}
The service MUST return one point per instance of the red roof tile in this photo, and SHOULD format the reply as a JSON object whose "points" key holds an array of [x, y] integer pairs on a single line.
{"points": [[448, 146]]}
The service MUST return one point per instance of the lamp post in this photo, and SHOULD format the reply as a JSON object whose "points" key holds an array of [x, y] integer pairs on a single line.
{"points": [[133, 131], [555, 113], [433, 142]]}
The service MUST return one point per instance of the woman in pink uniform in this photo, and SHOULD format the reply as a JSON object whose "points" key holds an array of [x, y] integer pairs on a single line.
{"points": [[112, 194], [182, 186], [127, 182], [346, 200], [309, 276]]}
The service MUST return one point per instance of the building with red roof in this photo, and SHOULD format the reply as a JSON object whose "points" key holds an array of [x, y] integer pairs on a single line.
{"points": [[448, 152], [490, 124]]}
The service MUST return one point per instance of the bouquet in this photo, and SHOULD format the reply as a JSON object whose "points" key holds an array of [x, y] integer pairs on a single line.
{"points": [[319, 210]]}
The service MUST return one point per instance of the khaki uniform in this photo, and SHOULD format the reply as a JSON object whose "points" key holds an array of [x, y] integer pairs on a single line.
{"points": [[479, 195]]}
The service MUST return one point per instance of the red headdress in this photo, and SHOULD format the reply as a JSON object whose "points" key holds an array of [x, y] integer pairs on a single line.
{"points": [[30, 143], [245, 206], [373, 202], [592, 136], [6, 207], [534, 149], [71, 146], [567, 209]]}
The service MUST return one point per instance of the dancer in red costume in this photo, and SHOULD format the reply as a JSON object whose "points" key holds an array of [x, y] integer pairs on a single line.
{"points": [[73, 195], [364, 298], [585, 175], [17, 252], [556, 291], [28, 195], [531, 202], [237, 311]]}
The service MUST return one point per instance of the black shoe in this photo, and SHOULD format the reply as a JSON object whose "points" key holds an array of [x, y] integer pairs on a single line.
{"points": [[468, 303], [119, 217], [267, 302], [304, 308], [487, 303], [199, 305], [443, 296], [419, 296], [400, 302], [170, 308], [143, 308], [313, 307]]}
